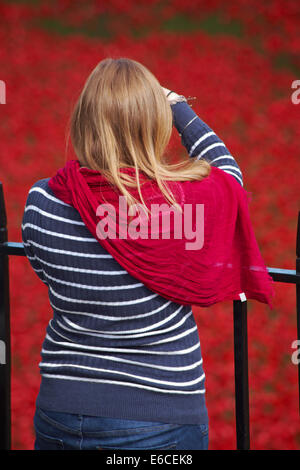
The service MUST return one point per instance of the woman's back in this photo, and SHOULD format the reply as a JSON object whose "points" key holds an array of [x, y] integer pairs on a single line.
{"points": [[117, 341]]}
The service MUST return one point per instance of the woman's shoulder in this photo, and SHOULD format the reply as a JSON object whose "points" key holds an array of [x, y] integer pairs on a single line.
{"points": [[225, 176], [41, 183], [41, 194]]}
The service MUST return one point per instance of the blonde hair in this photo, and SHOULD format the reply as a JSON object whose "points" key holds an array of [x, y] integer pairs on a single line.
{"points": [[123, 119]]}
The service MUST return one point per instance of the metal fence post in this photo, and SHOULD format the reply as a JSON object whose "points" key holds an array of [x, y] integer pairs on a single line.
{"points": [[241, 374], [5, 362], [298, 296]]}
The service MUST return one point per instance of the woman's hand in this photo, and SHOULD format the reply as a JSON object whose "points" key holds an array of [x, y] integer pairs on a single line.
{"points": [[172, 96]]}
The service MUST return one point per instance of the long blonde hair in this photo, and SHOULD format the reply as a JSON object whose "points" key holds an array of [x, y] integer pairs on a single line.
{"points": [[123, 119]]}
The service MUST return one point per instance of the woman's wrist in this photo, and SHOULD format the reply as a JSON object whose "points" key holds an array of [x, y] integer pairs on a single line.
{"points": [[174, 97]]}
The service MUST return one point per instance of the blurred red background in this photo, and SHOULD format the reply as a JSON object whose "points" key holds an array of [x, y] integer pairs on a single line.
{"points": [[239, 59]]}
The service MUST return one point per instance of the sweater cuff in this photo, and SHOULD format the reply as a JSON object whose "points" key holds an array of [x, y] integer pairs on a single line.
{"points": [[182, 115]]}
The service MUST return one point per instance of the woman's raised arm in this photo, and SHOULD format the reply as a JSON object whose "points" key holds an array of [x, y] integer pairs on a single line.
{"points": [[201, 141]]}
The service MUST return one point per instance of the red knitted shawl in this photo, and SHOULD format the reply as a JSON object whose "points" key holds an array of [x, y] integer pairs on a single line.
{"points": [[205, 254]]}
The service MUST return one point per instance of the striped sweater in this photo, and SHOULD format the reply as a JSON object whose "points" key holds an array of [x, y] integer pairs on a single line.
{"points": [[114, 348]]}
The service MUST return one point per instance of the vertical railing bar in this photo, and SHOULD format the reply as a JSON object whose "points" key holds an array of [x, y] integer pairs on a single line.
{"points": [[298, 298], [241, 374], [5, 356]]}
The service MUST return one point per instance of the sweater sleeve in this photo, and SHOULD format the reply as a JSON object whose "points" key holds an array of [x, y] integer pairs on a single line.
{"points": [[202, 142], [26, 227]]}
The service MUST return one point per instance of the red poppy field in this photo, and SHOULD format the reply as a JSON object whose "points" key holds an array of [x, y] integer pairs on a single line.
{"points": [[239, 59]]}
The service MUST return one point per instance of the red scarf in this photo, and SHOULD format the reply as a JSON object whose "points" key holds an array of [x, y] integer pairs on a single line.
{"points": [[221, 265]]}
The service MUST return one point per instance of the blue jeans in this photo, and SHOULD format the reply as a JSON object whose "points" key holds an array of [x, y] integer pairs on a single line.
{"points": [[64, 431]]}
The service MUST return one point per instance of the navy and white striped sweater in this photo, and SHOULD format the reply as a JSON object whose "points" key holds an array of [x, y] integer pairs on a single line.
{"points": [[114, 348]]}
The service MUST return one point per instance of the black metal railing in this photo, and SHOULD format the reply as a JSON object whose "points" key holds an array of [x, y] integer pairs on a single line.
{"points": [[239, 328]]}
